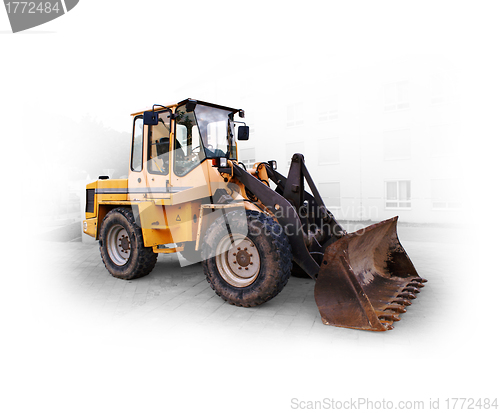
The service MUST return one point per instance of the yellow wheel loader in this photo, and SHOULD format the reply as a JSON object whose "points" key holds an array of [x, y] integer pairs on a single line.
{"points": [[186, 192]]}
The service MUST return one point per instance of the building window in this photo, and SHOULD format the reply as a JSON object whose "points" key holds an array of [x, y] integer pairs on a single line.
{"points": [[247, 157], [328, 109], [293, 148], [329, 151], [398, 194], [397, 96], [330, 192], [294, 115], [397, 144], [445, 194]]}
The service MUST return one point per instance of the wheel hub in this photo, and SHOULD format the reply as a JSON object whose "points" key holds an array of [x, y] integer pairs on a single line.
{"points": [[124, 243], [243, 258], [238, 260], [118, 244]]}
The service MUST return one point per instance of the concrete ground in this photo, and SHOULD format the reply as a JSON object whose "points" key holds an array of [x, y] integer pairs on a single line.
{"points": [[76, 339], [174, 298]]}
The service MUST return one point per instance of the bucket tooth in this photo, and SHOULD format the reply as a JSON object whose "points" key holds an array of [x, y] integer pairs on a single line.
{"points": [[411, 290], [415, 284], [405, 294], [401, 301], [388, 326], [420, 280], [389, 317], [396, 307]]}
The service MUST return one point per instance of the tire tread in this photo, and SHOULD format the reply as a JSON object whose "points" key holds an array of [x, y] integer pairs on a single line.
{"points": [[146, 259]]}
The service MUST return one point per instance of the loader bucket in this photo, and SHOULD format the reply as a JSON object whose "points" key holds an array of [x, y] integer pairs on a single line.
{"points": [[366, 279]]}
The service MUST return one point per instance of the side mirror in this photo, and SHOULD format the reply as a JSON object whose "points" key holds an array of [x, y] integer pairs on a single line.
{"points": [[243, 133], [150, 118], [190, 105]]}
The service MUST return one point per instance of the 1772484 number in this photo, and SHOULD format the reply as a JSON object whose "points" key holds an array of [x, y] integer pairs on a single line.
{"points": [[469, 403], [31, 7]]}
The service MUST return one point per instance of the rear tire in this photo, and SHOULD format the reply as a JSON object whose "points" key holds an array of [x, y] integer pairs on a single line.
{"points": [[251, 265], [122, 246]]}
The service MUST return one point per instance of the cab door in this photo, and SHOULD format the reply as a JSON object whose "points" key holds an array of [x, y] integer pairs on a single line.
{"points": [[150, 160], [189, 178], [158, 157]]}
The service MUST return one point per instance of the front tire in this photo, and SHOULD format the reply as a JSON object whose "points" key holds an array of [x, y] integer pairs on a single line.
{"points": [[122, 246], [250, 265]]}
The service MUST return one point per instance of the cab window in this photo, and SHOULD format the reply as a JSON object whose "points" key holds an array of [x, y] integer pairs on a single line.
{"points": [[136, 159], [188, 149], [159, 145]]}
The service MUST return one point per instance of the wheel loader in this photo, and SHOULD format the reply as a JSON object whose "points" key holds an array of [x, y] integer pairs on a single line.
{"points": [[187, 193]]}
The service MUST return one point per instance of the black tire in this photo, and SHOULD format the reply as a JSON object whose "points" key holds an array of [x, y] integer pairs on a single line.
{"points": [[122, 246], [190, 254], [264, 251]]}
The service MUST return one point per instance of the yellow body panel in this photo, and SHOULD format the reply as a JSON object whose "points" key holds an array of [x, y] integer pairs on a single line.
{"points": [[154, 224], [181, 222], [194, 185], [160, 250], [177, 217], [112, 183], [163, 224]]}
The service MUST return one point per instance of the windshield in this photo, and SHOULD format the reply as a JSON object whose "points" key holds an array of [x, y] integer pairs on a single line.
{"points": [[217, 131]]}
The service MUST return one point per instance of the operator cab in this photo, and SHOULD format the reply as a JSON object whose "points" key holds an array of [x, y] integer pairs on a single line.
{"points": [[171, 141], [202, 131]]}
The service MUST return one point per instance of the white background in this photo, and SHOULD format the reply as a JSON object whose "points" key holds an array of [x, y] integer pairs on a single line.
{"points": [[108, 59]]}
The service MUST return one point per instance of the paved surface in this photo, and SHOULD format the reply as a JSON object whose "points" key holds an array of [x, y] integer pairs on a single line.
{"points": [[174, 298], [76, 339]]}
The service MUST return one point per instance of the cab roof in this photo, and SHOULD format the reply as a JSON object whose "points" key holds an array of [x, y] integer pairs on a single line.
{"points": [[173, 106]]}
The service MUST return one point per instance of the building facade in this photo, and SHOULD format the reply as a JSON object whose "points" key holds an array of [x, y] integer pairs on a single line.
{"points": [[381, 139]]}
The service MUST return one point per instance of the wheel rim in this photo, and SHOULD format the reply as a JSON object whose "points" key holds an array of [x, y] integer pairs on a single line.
{"points": [[118, 244], [237, 260]]}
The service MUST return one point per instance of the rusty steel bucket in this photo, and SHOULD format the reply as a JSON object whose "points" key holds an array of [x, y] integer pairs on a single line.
{"points": [[366, 279]]}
